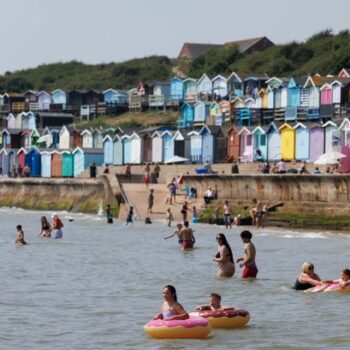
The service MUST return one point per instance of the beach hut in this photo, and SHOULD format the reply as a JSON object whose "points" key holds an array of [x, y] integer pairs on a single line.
{"points": [[8, 159], [316, 141], [83, 158], [147, 147], [64, 138], [259, 143], [67, 163], [157, 147], [97, 139], [114, 96], [87, 141], [25, 139], [215, 114], [190, 90], [34, 138], [21, 157], [33, 160], [302, 142], [245, 145], [219, 86], [46, 157], [292, 100], [136, 148], [168, 145], [273, 142], [117, 150], [108, 149], [232, 144], [11, 121], [201, 112], [331, 137], [204, 86], [177, 89], [126, 148], [179, 144], [59, 97], [326, 103], [313, 84], [287, 141], [187, 112], [56, 164], [213, 144], [44, 100], [234, 85], [196, 146]]}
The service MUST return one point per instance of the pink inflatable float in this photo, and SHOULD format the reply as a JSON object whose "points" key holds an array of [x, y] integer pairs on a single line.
{"points": [[334, 287]]}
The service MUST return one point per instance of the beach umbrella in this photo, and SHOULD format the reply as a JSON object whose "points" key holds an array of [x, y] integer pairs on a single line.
{"points": [[331, 157], [176, 159]]}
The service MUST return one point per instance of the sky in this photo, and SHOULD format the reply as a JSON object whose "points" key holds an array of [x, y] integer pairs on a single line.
{"points": [[33, 32]]}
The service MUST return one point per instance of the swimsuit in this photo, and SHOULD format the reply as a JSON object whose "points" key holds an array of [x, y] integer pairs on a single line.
{"points": [[302, 286], [187, 244], [168, 313], [250, 271]]}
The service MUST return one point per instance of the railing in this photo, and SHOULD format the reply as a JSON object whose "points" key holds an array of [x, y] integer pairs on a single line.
{"points": [[19, 107], [156, 101], [313, 114], [191, 97]]}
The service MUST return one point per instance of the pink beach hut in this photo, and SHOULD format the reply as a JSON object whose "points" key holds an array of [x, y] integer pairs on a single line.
{"points": [[316, 141], [245, 145]]}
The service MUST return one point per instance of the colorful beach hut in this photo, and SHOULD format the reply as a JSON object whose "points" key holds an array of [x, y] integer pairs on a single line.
{"points": [[287, 141], [108, 149], [196, 146], [168, 145], [117, 150], [179, 144], [87, 140], [157, 147], [302, 142], [187, 113], [177, 89], [232, 144], [67, 163], [219, 84], [8, 159], [245, 145], [316, 141], [46, 157], [331, 137], [33, 160], [56, 164], [126, 148], [21, 157], [259, 143], [201, 112], [273, 142], [83, 158]]}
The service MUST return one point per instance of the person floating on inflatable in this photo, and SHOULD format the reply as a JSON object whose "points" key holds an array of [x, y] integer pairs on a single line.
{"points": [[214, 304]]}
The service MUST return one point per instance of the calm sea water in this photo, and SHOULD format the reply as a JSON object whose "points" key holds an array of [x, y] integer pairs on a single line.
{"points": [[98, 286]]}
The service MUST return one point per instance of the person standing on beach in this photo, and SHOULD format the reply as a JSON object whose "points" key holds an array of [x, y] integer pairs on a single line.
{"points": [[93, 170], [156, 170], [169, 217], [150, 201], [130, 217], [249, 254], [57, 226], [109, 214]]}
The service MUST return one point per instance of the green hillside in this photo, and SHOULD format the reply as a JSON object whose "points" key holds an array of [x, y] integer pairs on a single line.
{"points": [[322, 53]]}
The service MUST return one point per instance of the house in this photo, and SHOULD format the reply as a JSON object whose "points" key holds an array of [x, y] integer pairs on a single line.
{"points": [[232, 152], [11, 121], [204, 87], [287, 141], [213, 144], [82, 158], [201, 113], [53, 119], [259, 144], [234, 85], [136, 148], [157, 147], [21, 157], [93, 97], [273, 142], [126, 148], [28, 120], [115, 96], [293, 99], [14, 102], [225, 107], [12, 138], [302, 142], [187, 111], [313, 84], [97, 138], [177, 89], [219, 87], [31, 97], [69, 138], [245, 144], [316, 141], [34, 138], [247, 46], [344, 73], [59, 99], [195, 146], [50, 137]]}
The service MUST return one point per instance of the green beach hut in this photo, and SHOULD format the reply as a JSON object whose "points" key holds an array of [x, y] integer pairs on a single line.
{"points": [[67, 163]]}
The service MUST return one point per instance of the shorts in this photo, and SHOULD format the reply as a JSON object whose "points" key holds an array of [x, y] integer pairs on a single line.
{"points": [[187, 244], [249, 271], [58, 233], [227, 219]]}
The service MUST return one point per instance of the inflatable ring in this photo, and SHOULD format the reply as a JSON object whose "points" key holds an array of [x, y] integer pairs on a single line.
{"points": [[195, 220], [230, 318], [192, 328], [334, 287]]}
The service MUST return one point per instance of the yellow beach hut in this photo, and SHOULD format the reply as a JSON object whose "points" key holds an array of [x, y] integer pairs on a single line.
{"points": [[287, 141]]}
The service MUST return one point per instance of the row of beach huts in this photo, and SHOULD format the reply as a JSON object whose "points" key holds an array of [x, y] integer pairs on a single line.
{"points": [[245, 99], [67, 151]]}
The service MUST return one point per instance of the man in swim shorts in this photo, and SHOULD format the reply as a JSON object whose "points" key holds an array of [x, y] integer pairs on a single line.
{"points": [[248, 259], [187, 237]]}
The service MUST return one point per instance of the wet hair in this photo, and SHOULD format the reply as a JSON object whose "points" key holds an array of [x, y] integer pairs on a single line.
{"points": [[215, 295], [346, 272], [305, 267], [44, 220], [186, 223], [222, 237], [19, 227], [172, 291], [246, 234]]}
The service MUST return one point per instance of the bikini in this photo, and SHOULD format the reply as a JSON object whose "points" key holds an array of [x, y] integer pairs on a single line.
{"points": [[168, 313]]}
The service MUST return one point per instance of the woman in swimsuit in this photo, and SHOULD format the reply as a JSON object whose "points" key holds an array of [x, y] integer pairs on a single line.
{"points": [[177, 232], [45, 228], [224, 257], [171, 309], [307, 277]]}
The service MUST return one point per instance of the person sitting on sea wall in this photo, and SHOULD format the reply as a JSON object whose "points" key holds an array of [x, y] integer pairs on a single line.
{"points": [[281, 167], [316, 171], [109, 215], [234, 168], [214, 304], [171, 309], [307, 277], [208, 196], [20, 236]]}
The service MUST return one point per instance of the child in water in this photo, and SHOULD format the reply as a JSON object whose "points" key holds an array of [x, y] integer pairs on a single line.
{"points": [[20, 236], [130, 217], [214, 304], [169, 217], [344, 280]]}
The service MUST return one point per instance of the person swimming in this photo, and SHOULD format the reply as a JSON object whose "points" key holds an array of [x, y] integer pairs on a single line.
{"points": [[307, 277], [171, 309], [214, 304], [224, 257], [20, 236]]}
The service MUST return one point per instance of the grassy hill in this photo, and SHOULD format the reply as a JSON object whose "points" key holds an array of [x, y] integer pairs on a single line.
{"points": [[322, 53]]}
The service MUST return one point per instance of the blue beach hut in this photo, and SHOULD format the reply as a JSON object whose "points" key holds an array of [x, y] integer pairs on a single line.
{"points": [[67, 163], [302, 142], [176, 89], [83, 158], [33, 160], [168, 145], [201, 112], [273, 142], [46, 157], [108, 149], [117, 150], [126, 148], [208, 144], [259, 143], [195, 146], [187, 112]]}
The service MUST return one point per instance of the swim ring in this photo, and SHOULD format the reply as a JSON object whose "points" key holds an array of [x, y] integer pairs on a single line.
{"points": [[195, 220], [230, 318], [334, 287], [192, 328]]}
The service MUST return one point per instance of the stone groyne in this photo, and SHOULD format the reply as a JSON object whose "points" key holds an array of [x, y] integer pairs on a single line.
{"points": [[78, 195]]}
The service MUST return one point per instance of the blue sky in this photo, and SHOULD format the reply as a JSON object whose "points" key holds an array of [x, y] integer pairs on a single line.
{"points": [[44, 31]]}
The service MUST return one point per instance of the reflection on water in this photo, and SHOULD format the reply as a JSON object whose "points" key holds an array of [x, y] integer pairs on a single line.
{"points": [[96, 288]]}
